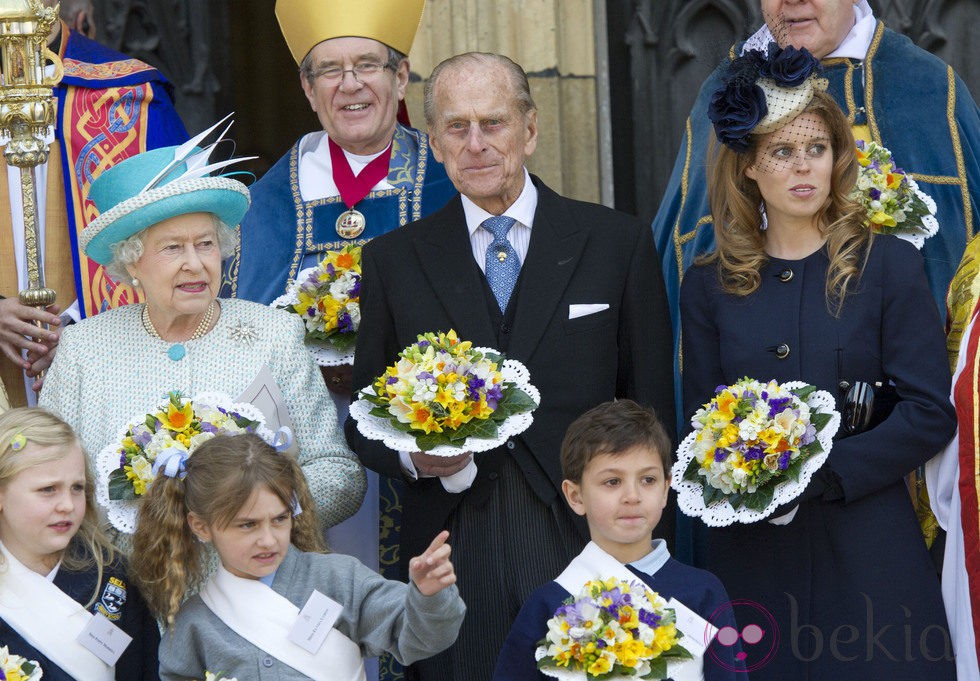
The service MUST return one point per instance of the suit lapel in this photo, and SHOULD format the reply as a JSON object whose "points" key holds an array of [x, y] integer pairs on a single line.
{"points": [[556, 246], [446, 256]]}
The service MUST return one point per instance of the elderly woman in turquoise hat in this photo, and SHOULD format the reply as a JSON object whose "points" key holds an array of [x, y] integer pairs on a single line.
{"points": [[165, 227]]}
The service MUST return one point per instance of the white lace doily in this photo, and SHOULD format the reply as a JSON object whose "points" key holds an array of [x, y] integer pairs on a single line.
{"points": [[721, 513], [123, 514], [378, 428], [929, 225], [324, 355]]}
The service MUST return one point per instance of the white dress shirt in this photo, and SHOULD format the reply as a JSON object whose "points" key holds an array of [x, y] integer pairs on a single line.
{"points": [[519, 236]]}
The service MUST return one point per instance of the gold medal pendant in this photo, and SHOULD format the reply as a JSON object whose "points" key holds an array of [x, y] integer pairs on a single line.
{"points": [[351, 224]]}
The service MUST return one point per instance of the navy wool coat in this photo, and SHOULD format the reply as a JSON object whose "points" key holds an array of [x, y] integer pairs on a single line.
{"points": [[848, 581]]}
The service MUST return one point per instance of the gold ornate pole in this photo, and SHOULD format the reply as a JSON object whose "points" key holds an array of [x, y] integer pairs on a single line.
{"points": [[27, 113]]}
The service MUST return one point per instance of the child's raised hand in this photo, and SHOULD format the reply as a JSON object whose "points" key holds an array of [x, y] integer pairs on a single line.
{"points": [[432, 571]]}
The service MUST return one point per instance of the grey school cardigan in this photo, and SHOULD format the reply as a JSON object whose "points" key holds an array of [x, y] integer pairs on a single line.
{"points": [[379, 615]]}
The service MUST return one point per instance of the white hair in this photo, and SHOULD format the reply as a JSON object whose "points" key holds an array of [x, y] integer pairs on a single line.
{"points": [[129, 250]]}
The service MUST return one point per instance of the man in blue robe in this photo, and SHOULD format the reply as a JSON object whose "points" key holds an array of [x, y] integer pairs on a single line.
{"points": [[298, 206]]}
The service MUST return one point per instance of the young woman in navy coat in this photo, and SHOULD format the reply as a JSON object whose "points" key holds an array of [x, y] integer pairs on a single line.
{"points": [[802, 290]]}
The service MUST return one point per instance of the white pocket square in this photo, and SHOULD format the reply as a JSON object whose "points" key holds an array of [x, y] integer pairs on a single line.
{"points": [[576, 311]]}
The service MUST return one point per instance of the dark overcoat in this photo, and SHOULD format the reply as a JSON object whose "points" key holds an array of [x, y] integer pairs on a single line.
{"points": [[849, 582]]}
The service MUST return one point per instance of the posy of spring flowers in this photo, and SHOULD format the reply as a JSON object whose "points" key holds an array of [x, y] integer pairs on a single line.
{"points": [[611, 629], [17, 668], [892, 199], [327, 299], [442, 390], [176, 427], [750, 437]]}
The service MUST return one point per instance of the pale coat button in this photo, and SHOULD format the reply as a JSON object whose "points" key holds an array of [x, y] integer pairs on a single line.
{"points": [[782, 351], [786, 275], [267, 662]]}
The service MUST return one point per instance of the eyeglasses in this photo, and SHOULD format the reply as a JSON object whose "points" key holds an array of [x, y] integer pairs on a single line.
{"points": [[363, 72]]}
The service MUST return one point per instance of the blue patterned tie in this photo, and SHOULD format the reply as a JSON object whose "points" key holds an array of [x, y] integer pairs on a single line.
{"points": [[502, 263]]}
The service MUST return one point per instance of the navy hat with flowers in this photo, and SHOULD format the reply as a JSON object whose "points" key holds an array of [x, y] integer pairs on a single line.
{"points": [[157, 185], [762, 92]]}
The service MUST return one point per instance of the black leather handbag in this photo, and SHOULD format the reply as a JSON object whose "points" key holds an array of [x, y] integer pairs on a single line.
{"points": [[865, 405]]}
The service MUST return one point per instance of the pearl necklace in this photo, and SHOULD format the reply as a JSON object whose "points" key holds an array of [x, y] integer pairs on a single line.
{"points": [[177, 351]]}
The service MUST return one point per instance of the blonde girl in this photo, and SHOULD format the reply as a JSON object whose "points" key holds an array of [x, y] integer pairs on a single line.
{"points": [[60, 578], [252, 504]]}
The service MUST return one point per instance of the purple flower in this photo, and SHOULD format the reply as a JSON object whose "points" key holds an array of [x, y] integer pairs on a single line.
{"points": [[424, 344], [572, 613], [425, 375], [600, 644], [122, 458], [473, 387], [344, 322], [777, 405], [784, 461], [617, 599], [649, 618], [720, 389], [355, 290], [494, 395], [142, 437], [754, 453], [809, 435], [859, 144], [331, 270], [208, 427], [874, 193], [391, 380], [720, 454]]}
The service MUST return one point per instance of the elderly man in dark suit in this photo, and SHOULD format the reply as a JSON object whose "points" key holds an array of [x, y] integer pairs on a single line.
{"points": [[573, 290]]}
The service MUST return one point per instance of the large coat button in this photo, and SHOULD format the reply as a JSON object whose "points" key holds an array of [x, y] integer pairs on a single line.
{"points": [[782, 351], [785, 275]]}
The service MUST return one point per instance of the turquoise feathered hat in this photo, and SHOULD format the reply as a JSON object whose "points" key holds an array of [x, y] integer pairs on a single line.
{"points": [[157, 185]]}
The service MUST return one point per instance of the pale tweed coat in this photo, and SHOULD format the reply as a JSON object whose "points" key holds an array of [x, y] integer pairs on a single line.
{"points": [[108, 370]]}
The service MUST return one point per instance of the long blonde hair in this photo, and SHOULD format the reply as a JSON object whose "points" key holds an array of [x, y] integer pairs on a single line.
{"points": [[90, 547], [221, 475], [735, 198]]}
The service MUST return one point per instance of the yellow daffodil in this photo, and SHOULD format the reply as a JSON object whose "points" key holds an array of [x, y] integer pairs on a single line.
{"points": [[882, 218], [664, 638], [600, 666], [177, 418]]}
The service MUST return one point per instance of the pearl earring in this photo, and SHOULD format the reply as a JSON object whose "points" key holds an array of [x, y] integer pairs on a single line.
{"points": [[136, 282]]}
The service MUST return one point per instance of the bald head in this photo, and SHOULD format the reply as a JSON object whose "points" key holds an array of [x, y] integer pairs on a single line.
{"points": [[476, 60]]}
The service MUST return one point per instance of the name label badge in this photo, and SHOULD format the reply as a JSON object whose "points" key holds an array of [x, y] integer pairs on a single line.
{"points": [[315, 622], [695, 628], [104, 639]]}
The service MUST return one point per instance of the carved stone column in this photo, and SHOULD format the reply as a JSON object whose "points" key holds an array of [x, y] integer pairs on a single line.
{"points": [[553, 40]]}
